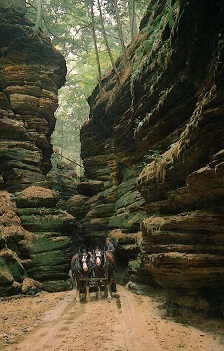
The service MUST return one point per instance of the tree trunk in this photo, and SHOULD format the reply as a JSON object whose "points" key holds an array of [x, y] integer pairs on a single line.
{"points": [[96, 49], [106, 41], [36, 27], [132, 16], [119, 25]]}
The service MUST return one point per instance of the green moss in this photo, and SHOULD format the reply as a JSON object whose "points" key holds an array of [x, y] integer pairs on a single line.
{"points": [[153, 48], [44, 244], [11, 268], [126, 220], [60, 221]]}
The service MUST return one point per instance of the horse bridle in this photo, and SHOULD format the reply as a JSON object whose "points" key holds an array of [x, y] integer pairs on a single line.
{"points": [[84, 262], [101, 257], [98, 257], [81, 263]]}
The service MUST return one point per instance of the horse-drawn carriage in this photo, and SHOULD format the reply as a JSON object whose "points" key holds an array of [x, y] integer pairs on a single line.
{"points": [[93, 271]]}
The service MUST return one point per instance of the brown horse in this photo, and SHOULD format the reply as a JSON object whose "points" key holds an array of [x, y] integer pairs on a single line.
{"points": [[104, 269], [80, 271]]}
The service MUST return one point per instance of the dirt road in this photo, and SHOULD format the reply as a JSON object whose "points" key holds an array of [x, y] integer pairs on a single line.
{"points": [[127, 322]]}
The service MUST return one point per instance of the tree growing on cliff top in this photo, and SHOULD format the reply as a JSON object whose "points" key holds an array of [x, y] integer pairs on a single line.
{"points": [[70, 27]]}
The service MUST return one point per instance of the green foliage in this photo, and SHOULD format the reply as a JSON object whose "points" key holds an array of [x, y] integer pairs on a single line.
{"points": [[68, 25], [134, 265], [153, 224], [148, 52]]}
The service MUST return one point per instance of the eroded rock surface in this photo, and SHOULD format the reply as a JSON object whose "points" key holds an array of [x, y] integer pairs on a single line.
{"points": [[35, 235], [31, 73], [155, 140], [152, 150]]}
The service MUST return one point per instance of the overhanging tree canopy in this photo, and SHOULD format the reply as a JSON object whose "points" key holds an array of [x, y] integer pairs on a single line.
{"points": [[70, 27]]}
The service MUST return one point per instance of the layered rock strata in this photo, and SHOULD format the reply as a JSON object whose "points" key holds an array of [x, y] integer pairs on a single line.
{"points": [[31, 73], [35, 236], [154, 140], [52, 230]]}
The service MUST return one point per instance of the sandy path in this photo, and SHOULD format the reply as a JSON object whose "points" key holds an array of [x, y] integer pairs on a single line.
{"points": [[128, 322]]}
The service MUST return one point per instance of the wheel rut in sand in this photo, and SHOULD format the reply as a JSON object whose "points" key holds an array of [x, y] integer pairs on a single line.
{"points": [[127, 322]]}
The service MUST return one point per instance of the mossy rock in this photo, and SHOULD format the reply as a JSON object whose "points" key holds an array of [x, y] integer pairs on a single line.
{"points": [[126, 220], [36, 196], [50, 257], [57, 285], [43, 244], [59, 221], [12, 266]]}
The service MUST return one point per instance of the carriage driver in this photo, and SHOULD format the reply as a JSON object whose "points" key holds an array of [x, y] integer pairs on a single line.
{"points": [[111, 250], [110, 246]]}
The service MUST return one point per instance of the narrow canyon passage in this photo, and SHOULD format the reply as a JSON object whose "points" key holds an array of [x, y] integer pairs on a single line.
{"points": [[127, 322]]}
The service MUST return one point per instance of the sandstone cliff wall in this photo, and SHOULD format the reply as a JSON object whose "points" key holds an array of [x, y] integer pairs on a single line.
{"points": [[152, 150], [35, 235], [153, 154]]}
